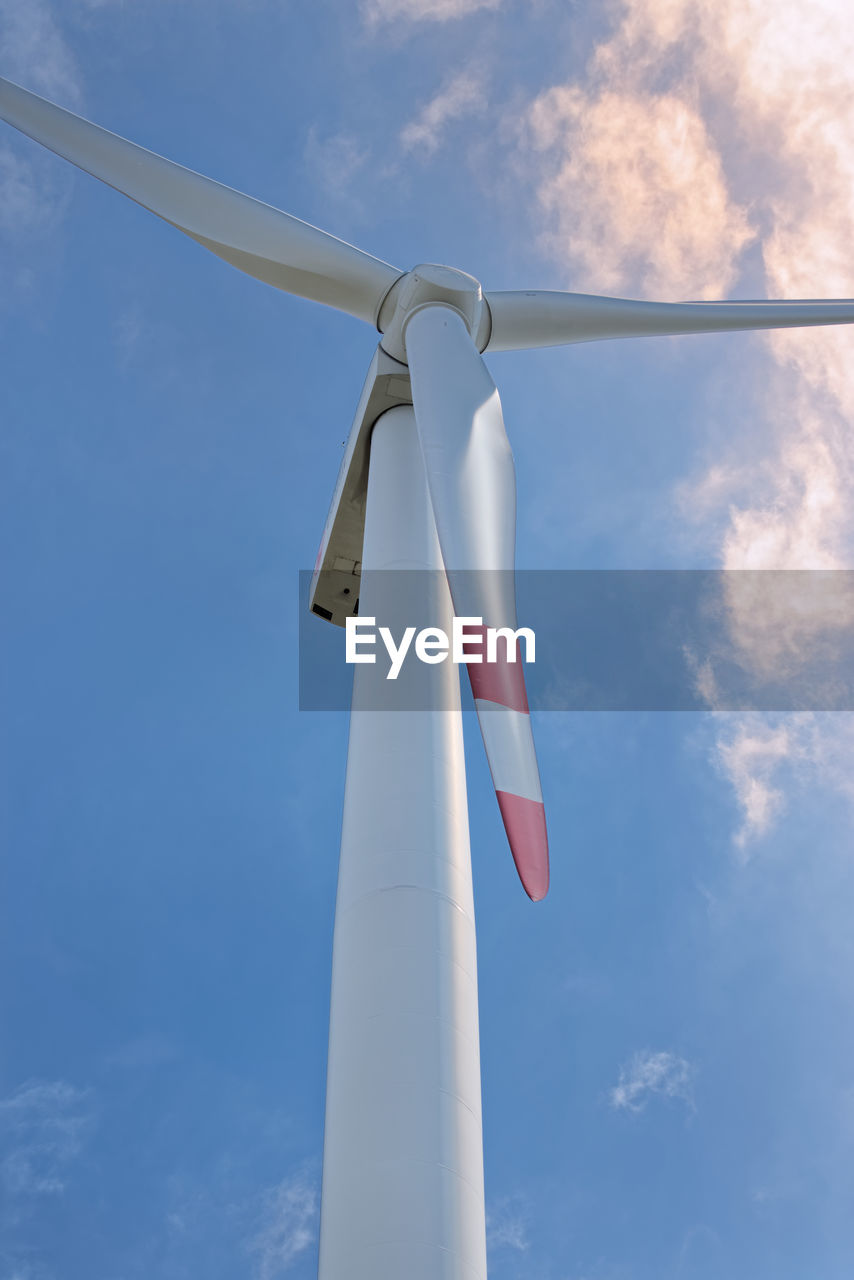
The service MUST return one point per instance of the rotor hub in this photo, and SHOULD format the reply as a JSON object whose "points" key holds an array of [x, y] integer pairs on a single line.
{"points": [[430, 285]]}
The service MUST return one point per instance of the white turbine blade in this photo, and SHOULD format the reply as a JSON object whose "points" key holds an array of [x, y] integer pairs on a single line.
{"points": [[472, 484], [262, 241], [538, 318]]}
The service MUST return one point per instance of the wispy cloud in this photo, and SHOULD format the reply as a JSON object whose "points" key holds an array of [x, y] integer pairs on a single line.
{"points": [[376, 11], [42, 1128], [336, 160], [750, 757], [35, 53], [766, 758], [26, 198], [649, 1075], [33, 185], [687, 118], [621, 170], [463, 94], [287, 1225], [507, 1225], [695, 133]]}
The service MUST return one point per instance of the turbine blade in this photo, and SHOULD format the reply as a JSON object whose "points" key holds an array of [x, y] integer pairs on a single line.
{"points": [[472, 485], [262, 241], [537, 318]]}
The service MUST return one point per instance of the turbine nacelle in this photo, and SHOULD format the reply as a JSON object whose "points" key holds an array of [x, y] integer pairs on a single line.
{"points": [[336, 582], [430, 284]]}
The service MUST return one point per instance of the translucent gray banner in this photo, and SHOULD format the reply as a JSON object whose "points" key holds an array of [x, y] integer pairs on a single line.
{"points": [[615, 640]]}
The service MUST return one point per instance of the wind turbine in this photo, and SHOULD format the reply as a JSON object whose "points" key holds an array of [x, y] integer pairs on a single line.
{"points": [[427, 482]]}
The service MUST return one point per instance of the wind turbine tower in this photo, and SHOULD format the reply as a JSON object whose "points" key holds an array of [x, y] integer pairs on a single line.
{"points": [[427, 484]]}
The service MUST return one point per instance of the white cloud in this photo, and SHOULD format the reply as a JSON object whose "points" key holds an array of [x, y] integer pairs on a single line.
{"points": [[42, 1127], [287, 1226], [764, 759], [750, 757], [33, 184], [22, 193], [336, 160], [375, 11], [697, 130], [35, 52], [652, 1074], [688, 116], [620, 175], [783, 624], [781, 77], [507, 1226], [462, 95]]}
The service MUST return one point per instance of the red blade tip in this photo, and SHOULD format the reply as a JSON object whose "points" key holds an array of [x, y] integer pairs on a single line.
{"points": [[525, 824]]}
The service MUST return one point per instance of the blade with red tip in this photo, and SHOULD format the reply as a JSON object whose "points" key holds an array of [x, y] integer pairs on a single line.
{"points": [[472, 484]]}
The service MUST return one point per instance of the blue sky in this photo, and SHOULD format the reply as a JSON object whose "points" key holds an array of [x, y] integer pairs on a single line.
{"points": [[668, 1060]]}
